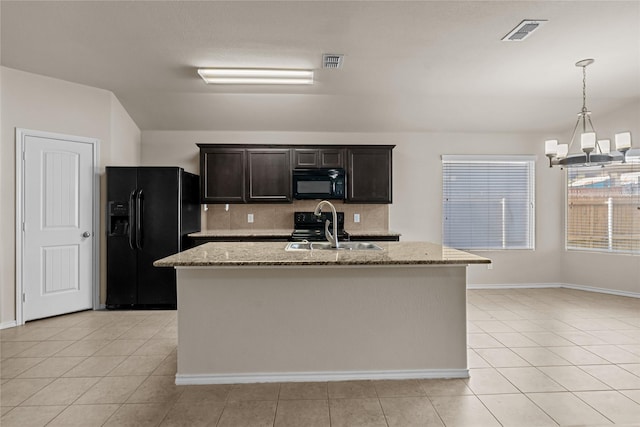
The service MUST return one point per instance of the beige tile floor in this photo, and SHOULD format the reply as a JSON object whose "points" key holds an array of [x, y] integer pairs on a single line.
{"points": [[542, 357]]}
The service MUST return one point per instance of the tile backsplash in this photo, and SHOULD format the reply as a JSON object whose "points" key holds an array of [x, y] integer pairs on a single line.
{"points": [[373, 217]]}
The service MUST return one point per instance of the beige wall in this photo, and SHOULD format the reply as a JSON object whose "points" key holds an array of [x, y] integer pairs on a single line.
{"points": [[417, 208], [417, 186], [125, 147], [42, 103]]}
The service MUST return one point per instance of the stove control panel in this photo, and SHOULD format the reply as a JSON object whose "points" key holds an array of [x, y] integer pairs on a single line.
{"points": [[308, 219]]}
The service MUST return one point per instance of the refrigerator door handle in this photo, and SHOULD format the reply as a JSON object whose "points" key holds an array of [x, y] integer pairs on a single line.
{"points": [[139, 198], [132, 219]]}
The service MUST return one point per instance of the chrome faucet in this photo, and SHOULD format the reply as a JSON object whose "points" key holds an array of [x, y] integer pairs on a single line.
{"points": [[331, 237]]}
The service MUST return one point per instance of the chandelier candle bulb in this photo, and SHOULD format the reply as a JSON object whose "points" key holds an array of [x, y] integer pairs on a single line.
{"points": [[605, 146], [588, 141], [623, 141], [551, 147], [563, 150]]}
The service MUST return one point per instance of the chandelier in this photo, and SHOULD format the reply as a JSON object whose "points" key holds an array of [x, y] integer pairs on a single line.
{"points": [[594, 152]]}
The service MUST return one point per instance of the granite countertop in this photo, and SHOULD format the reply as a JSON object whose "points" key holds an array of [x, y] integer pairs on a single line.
{"points": [[279, 233], [219, 254]]}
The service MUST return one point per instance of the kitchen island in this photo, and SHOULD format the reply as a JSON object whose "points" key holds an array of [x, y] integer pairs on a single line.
{"points": [[253, 312]]}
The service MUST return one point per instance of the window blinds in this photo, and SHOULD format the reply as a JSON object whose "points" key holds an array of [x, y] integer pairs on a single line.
{"points": [[488, 202], [603, 208]]}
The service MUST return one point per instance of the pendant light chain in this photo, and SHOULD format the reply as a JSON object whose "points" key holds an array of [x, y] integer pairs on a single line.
{"points": [[584, 89], [584, 99]]}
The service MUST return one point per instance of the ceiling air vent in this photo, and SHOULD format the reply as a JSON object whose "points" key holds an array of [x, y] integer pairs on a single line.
{"points": [[332, 61], [523, 30]]}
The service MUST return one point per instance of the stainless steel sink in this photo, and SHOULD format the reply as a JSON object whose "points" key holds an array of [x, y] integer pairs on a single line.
{"points": [[360, 246], [348, 246], [298, 246]]}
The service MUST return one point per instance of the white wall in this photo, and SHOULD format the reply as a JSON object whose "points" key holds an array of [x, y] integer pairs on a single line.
{"points": [[42, 103], [125, 147], [417, 185]]}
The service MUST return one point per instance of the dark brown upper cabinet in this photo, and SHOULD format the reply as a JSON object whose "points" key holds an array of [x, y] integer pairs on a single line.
{"points": [[369, 174], [222, 175], [251, 173], [268, 175], [309, 158]]}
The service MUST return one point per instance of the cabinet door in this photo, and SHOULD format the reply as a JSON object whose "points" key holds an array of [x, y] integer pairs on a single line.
{"points": [[306, 158], [269, 175], [222, 175], [369, 175], [309, 158], [331, 158]]}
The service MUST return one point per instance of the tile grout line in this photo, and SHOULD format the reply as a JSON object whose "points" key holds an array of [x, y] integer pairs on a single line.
{"points": [[585, 304]]}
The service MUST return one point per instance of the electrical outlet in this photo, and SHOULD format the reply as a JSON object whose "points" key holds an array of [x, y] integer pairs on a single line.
{"points": [[490, 266], [249, 218], [356, 217]]}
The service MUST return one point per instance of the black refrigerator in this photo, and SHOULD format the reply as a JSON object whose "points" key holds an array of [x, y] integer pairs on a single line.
{"points": [[150, 211]]}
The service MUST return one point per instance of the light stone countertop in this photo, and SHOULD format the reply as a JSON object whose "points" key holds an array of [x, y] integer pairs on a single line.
{"points": [[219, 254], [279, 233]]}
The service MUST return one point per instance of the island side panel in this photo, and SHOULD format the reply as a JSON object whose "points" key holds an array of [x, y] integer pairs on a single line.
{"points": [[262, 323]]}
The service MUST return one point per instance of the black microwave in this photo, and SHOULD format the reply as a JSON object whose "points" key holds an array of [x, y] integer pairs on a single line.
{"points": [[319, 184]]}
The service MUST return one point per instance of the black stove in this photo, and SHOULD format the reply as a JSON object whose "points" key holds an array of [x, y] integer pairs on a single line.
{"points": [[309, 227]]}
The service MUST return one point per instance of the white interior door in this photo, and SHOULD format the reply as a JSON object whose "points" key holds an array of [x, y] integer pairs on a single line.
{"points": [[58, 225]]}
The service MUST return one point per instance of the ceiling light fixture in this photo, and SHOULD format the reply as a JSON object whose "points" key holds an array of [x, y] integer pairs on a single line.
{"points": [[256, 76], [594, 152]]}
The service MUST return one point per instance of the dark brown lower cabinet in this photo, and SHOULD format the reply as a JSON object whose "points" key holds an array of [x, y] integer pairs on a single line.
{"points": [[197, 241]]}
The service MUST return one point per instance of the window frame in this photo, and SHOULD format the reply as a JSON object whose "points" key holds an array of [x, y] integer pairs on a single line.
{"points": [[598, 250], [489, 158]]}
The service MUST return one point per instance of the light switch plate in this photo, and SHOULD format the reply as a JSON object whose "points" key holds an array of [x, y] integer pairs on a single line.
{"points": [[249, 218], [356, 217]]}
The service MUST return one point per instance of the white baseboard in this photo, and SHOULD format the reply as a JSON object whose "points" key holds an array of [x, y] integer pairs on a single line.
{"points": [[558, 285], [270, 377], [602, 290], [11, 324], [517, 286]]}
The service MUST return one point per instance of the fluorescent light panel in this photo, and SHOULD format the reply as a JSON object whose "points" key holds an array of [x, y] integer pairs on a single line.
{"points": [[268, 76]]}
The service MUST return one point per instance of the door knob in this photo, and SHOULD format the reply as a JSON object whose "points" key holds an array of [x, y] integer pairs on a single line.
{"points": [[86, 234]]}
